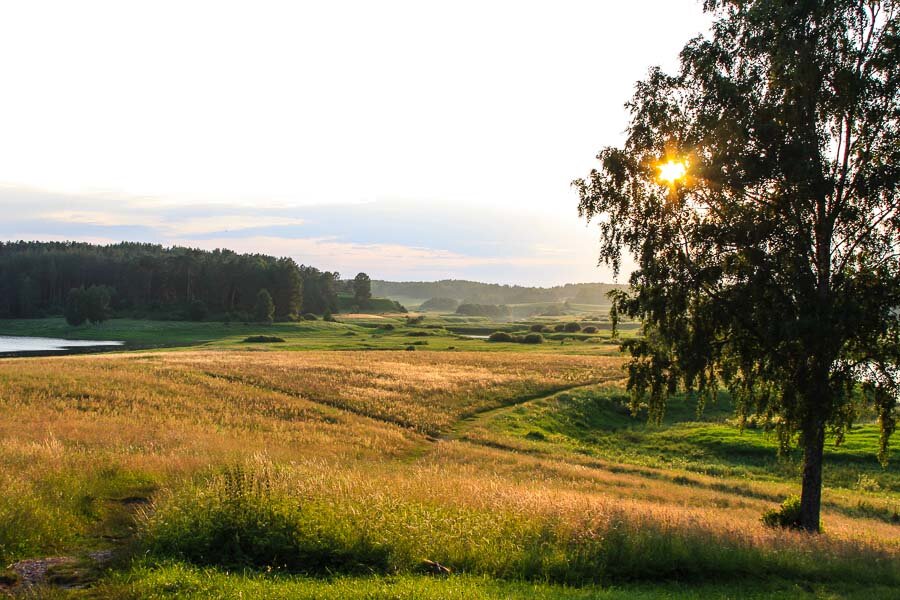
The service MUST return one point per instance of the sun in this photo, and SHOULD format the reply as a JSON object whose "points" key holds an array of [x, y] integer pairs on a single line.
{"points": [[672, 171]]}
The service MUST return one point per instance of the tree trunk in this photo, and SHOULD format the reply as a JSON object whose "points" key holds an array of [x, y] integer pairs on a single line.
{"points": [[811, 494]]}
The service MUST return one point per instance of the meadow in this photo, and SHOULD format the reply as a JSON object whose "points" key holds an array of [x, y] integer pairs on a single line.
{"points": [[310, 469]]}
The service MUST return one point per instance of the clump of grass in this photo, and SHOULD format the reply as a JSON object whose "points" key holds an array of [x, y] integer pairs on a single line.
{"points": [[262, 339], [29, 524], [237, 521]]}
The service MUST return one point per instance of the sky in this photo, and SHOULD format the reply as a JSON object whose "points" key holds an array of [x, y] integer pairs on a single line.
{"points": [[410, 140]]}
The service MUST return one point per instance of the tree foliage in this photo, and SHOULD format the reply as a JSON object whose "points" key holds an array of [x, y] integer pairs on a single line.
{"points": [[362, 290], [88, 305], [147, 279], [773, 267], [264, 311]]}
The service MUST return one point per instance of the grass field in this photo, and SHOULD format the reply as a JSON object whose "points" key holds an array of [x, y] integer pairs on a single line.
{"points": [[351, 332], [224, 471]]}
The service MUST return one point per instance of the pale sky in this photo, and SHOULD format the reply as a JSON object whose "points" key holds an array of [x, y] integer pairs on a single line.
{"points": [[410, 140]]}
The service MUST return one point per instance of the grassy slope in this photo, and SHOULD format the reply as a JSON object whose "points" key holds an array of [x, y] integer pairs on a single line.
{"points": [[83, 437]]}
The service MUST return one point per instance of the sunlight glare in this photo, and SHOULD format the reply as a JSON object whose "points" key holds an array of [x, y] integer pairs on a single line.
{"points": [[672, 171]]}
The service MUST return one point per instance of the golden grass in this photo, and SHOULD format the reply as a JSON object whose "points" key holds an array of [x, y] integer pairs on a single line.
{"points": [[357, 427]]}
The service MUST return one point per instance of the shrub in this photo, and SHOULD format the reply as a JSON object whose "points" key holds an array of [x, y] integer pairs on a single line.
{"points": [[387, 327], [500, 336], [418, 334], [309, 317], [537, 327], [559, 327], [410, 348], [572, 327], [420, 343], [417, 320], [533, 338], [258, 339], [786, 517], [328, 317], [590, 329]]}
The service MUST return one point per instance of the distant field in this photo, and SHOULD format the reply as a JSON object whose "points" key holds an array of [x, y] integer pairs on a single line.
{"points": [[351, 332], [344, 470]]}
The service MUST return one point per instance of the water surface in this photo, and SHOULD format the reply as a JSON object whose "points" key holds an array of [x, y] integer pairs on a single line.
{"points": [[9, 344]]}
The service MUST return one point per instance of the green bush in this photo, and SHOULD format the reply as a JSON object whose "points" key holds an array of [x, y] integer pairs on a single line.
{"points": [[786, 517], [533, 338], [572, 327], [590, 329], [328, 317], [309, 317], [410, 348], [537, 327], [500, 336], [559, 327], [418, 333], [260, 339]]}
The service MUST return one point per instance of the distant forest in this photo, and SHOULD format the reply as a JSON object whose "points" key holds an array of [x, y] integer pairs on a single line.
{"points": [[473, 292], [147, 280]]}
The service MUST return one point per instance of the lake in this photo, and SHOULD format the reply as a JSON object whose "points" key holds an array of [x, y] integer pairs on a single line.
{"points": [[16, 344]]}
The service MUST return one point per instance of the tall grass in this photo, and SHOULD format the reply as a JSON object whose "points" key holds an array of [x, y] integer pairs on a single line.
{"points": [[241, 519]]}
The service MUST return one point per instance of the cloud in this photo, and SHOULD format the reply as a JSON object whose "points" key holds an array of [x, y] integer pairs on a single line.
{"points": [[390, 239]]}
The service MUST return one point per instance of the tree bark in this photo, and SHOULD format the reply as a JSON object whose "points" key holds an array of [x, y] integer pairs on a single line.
{"points": [[811, 491]]}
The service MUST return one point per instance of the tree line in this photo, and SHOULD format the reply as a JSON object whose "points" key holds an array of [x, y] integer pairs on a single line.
{"points": [[474, 292], [39, 279]]}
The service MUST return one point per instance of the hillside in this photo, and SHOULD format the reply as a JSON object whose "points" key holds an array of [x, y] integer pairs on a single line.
{"points": [[492, 293], [288, 470]]}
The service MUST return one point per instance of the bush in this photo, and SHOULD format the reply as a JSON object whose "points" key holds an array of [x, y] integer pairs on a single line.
{"points": [[559, 327], [259, 339], [309, 317], [328, 317], [410, 348], [572, 327], [418, 334], [386, 327], [500, 336], [533, 338], [537, 327], [590, 329], [786, 517]]}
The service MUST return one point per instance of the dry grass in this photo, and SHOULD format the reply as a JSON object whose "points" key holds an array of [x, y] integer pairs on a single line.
{"points": [[352, 430]]}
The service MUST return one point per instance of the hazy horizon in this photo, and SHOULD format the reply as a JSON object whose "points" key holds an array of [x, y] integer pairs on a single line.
{"points": [[412, 142]]}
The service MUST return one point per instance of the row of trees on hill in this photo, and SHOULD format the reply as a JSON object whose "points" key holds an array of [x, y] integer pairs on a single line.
{"points": [[473, 292], [90, 282]]}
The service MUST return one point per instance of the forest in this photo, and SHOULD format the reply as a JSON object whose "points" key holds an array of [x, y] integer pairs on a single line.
{"points": [[151, 281]]}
